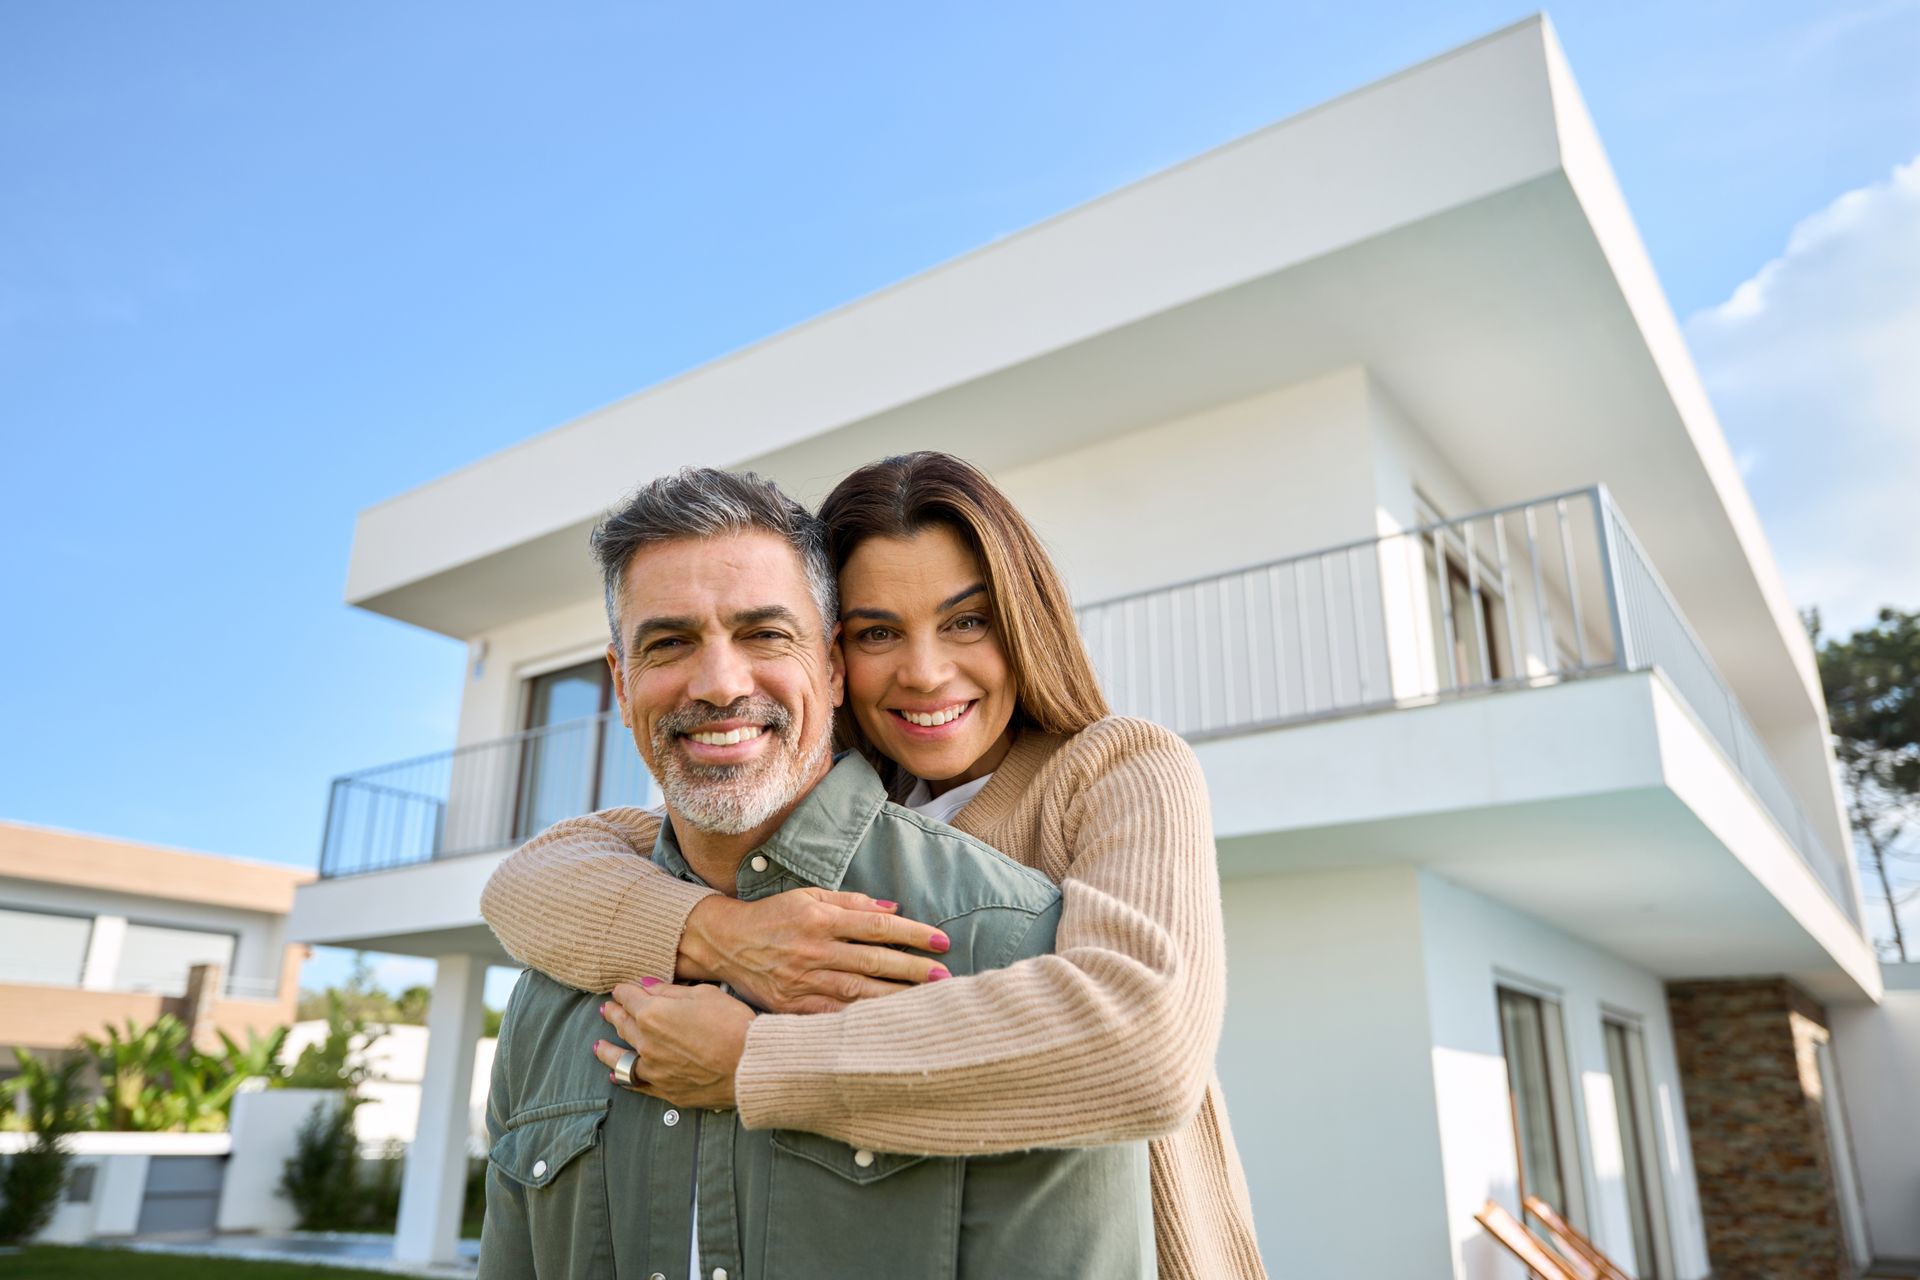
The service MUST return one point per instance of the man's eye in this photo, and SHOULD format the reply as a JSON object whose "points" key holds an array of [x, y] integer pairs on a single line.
{"points": [[667, 642], [768, 635]]}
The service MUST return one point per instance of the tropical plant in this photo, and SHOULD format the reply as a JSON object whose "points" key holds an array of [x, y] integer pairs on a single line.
{"points": [[153, 1079], [31, 1185]]}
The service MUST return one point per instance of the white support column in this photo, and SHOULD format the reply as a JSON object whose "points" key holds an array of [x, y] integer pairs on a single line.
{"points": [[436, 1174], [104, 945]]}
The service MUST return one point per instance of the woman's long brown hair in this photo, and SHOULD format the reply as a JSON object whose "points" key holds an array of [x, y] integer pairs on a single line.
{"points": [[1055, 689]]}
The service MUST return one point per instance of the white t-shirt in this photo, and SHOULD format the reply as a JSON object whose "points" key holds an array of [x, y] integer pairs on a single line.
{"points": [[942, 807]]}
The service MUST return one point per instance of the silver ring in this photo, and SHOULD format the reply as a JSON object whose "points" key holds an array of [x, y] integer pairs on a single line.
{"points": [[623, 1069]]}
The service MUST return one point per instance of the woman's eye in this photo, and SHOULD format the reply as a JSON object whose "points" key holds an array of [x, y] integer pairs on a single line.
{"points": [[970, 622], [876, 635]]}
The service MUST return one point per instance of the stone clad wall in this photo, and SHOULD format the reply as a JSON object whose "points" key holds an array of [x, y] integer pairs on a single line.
{"points": [[1757, 1115]]}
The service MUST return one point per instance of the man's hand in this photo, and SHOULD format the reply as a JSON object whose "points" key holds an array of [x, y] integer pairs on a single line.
{"points": [[689, 1040], [808, 950]]}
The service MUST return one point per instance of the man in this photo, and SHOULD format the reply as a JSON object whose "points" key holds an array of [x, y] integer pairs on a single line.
{"points": [[722, 604]]}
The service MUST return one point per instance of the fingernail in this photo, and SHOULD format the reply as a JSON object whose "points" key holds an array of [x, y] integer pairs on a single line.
{"points": [[610, 1079], [884, 905], [597, 1044], [938, 972], [649, 983], [939, 942], [603, 1007]]}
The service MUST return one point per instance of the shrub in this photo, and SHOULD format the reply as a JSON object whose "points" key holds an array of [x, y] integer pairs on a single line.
{"points": [[31, 1185], [322, 1174]]}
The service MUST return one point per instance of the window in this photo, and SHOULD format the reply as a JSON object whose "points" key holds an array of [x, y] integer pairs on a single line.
{"points": [[1639, 1148], [156, 957], [40, 947], [1530, 1034], [560, 758]]}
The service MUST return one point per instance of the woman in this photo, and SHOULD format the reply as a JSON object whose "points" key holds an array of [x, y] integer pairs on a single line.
{"points": [[968, 685]]}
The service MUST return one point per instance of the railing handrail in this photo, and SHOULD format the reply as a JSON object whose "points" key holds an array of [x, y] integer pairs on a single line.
{"points": [[486, 744], [1339, 548]]}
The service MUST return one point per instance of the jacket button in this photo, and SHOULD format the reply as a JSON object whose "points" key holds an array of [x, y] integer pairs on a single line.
{"points": [[863, 1157], [672, 1117], [539, 1168], [719, 1273], [757, 862], [656, 1276]]}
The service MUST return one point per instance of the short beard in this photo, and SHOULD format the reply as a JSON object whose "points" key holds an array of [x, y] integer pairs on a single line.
{"points": [[732, 799]]}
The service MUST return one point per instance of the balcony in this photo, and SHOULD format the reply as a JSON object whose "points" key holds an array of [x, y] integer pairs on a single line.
{"points": [[1535, 594]]}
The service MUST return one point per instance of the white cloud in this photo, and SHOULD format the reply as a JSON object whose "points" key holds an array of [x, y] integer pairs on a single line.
{"points": [[1814, 365]]}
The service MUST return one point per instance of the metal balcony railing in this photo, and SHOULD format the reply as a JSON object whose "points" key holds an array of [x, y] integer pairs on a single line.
{"points": [[480, 798], [1535, 593], [1529, 594]]}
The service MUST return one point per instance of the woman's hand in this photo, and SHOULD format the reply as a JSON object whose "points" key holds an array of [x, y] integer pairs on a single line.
{"points": [[808, 950], [689, 1040]]}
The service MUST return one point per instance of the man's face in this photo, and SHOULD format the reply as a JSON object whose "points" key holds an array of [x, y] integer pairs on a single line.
{"points": [[727, 682]]}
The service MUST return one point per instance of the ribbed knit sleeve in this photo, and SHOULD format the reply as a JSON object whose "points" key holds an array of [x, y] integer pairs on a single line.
{"points": [[1109, 1039], [583, 903]]}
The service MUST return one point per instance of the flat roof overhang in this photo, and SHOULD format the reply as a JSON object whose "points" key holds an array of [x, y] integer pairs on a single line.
{"points": [[1601, 807], [1455, 229]]}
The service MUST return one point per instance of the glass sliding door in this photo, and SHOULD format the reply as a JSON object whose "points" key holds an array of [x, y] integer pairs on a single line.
{"points": [[1537, 1082], [560, 750], [1639, 1147]]}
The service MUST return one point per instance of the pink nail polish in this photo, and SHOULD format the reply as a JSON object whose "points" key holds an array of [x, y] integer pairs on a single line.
{"points": [[938, 972], [939, 942], [649, 983], [884, 905]]}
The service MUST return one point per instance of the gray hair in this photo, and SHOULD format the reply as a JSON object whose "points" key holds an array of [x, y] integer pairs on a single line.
{"points": [[701, 502]]}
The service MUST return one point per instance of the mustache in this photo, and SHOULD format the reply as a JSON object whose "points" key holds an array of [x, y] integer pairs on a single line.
{"points": [[696, 716]]}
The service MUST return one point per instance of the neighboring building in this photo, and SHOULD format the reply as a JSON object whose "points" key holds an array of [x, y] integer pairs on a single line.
{"points": [[96, 931], [1378, 467]]}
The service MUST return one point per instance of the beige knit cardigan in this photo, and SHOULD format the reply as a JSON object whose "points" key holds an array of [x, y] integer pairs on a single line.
{"points": [[1109, 1039]]}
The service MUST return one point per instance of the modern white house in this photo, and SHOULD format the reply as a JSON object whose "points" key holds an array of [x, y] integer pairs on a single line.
{"points": [[97, 931], [1378, 468]]}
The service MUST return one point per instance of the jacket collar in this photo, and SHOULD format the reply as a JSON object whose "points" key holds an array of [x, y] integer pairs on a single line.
{"points": [[816, 842]]}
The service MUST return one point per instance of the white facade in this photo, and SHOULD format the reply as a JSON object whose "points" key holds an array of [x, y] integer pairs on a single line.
{"points": [[1261, 407]]}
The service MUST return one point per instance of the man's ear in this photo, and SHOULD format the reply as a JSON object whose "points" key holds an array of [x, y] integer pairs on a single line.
{"points": [[618, 669], [836, 668]]}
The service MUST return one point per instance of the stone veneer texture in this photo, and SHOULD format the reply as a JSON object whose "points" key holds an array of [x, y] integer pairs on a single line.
{"points": [[1753, 1096]]}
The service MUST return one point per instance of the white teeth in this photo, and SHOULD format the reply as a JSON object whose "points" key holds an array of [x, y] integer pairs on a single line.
{"points": [[929, 719], [730, 737]]}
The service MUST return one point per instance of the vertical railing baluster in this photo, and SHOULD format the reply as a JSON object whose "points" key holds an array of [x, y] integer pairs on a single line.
{"points": [[1360, 658], [1445, 587], [1550, 650], [1473, 603], [1515, 666], [1610, 578], [1573, 583]]}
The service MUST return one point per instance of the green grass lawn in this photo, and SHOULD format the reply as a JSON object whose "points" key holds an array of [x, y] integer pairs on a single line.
{"points": [[49, 1263]]}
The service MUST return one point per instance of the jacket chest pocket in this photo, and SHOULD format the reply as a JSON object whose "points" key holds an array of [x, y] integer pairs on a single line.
{"points": [[553, 1152], [836, 1210]]}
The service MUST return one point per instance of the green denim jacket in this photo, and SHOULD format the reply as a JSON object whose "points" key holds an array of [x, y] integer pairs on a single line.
{"points": [[586, 1180]]}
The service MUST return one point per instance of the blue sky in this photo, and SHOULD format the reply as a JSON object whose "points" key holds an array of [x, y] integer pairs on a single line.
{"points": [[264, 265]]}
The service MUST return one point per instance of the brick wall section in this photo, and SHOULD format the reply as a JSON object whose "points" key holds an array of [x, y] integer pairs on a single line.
{"points": [[1755, 1108]]}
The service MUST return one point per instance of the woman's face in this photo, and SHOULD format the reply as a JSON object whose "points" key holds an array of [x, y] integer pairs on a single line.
{"points": [[926, 677]]}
